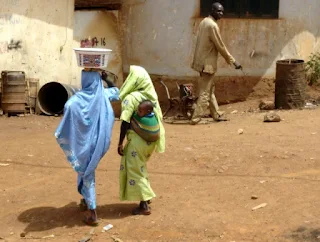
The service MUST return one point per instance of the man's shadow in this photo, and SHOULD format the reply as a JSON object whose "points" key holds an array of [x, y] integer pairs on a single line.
{"points": [[68, 216]]}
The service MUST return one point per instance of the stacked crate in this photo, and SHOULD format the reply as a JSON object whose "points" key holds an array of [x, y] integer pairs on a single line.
{"points": [[18, 94], [13, 92]]}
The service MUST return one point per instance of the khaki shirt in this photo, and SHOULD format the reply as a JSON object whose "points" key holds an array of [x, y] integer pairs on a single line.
{"points": [[209, 44]]}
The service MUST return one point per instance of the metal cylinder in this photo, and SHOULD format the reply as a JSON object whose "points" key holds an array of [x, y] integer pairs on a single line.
{"points": [[290, 86], [53, 96]]}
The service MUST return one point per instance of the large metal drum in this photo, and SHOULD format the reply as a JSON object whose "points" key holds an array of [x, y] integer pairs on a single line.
{"points": [[53, 96], [290, 90]]}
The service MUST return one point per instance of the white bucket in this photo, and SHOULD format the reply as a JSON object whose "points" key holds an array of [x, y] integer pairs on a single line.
{"points": [[92, 57]]}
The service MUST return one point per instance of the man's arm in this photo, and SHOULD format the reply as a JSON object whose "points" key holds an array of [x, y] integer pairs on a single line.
{"points": [[222, 49]]}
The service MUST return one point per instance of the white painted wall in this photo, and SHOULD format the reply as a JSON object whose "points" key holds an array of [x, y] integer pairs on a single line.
{"points": [[44, 29], [104, 26], [160, 36]]}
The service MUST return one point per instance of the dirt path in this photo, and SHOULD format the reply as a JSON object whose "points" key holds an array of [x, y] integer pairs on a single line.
{"points": [[204, 183]]}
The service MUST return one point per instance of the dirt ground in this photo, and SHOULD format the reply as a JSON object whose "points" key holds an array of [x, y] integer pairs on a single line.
{"points": [[204, 183]]}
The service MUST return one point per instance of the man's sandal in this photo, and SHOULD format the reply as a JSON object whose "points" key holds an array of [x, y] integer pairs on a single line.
{"points": [[222, 119]]}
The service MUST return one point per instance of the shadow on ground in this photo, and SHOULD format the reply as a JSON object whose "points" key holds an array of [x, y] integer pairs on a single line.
{"points": [[47, 218], [305, 234]]}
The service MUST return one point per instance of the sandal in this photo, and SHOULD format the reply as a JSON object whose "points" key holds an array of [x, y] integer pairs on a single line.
{"points": [[90, 221], [195, 121], [141, 211], [222, 119]]}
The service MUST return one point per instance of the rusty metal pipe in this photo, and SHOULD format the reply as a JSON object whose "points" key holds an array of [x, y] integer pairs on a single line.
{"points": [[53, 96]]}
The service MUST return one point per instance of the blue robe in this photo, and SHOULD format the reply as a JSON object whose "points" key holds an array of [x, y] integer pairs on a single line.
{"points": [[84, 133]]}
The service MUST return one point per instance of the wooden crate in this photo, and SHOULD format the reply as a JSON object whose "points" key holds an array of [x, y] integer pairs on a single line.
{"points": [[17, 96], [34, 88]]}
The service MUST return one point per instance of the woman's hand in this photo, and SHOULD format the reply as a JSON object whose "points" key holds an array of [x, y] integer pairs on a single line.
{"points": [[120, 150]]}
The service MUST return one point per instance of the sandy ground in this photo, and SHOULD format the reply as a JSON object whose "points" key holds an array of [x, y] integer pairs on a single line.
{"points": [[204, 183]]}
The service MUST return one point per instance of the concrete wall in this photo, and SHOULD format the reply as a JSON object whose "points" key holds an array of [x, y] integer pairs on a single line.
{"points": [[36, 37], [161, 37], [102, 25]]}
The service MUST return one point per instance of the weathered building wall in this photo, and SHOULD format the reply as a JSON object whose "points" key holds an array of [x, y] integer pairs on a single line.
{"points": [[259, 43], [36, 37], [101, 27], [161, 38]]}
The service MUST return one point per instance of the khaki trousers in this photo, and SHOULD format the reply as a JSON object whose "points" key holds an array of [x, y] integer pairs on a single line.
{"points": [[206, 98]]}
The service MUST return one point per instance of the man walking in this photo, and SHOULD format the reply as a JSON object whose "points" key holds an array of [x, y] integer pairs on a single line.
{"points": [[209, 44]]}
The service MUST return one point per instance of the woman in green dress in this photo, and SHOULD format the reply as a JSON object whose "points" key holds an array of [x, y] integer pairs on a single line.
{"points": [[134, 180]]}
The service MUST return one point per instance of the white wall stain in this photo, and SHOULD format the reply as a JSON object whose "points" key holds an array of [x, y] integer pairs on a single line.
{"points": [[32, 33]]}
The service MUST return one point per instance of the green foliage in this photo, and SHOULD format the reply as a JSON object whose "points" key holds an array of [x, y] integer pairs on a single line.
{"points": [[313, 69]]}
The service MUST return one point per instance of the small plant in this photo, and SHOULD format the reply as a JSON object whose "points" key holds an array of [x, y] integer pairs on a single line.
{"points": [[313, 69]]}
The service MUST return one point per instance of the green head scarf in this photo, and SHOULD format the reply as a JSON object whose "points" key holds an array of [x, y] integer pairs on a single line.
{"points": [[139, 85]]}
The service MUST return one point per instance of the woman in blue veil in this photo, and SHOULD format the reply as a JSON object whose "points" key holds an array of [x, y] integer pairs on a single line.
{"points": [[84, 134]]}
